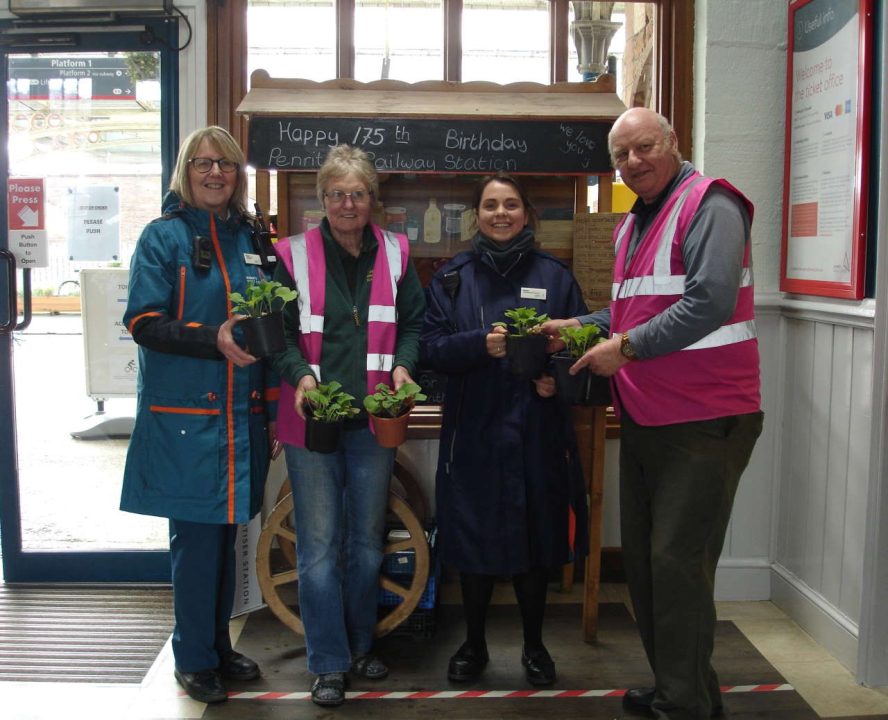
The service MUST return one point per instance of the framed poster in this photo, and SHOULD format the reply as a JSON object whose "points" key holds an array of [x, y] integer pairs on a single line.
{"points": [[827, 147]]}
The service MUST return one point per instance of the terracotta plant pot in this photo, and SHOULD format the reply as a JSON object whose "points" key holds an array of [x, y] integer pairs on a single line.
{"points": [[526, 355], [322, 437], [584, 388], [390, 432], [264, 335]]}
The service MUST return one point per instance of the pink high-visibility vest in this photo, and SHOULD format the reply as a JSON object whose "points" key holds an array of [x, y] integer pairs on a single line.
{"points": [[303, 256], [715, 377]]}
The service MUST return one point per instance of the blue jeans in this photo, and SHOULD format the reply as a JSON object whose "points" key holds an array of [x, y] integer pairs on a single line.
{"points": [[340, 502]]}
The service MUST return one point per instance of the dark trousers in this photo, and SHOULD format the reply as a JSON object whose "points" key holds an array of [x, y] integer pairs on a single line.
{"points": [[203, 565], [677, 487]]}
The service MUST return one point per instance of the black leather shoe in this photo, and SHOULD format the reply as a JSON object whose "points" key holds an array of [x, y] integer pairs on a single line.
{"points": [[205, 686], [468, 663], [328, 689], [235, 666], [539, 666], [639, 700]]}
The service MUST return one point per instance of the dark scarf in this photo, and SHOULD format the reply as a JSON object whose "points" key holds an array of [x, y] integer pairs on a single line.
{"points": [[504, 256]]}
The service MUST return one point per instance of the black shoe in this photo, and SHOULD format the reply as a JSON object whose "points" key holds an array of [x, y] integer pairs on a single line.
{"points": [[205, 686], [370, 667], [235, 666], [328, 689], [468, 663], [639, 700], [539, 666]]}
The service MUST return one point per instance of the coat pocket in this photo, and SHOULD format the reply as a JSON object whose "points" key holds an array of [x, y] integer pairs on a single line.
{"points": [[187, 446]]}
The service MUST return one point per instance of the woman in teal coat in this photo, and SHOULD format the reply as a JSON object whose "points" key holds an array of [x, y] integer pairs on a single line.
{"points": [[202, 439]]}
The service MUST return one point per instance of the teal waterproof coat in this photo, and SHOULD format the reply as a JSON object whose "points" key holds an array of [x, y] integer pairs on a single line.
{"points": [[199, 449]]}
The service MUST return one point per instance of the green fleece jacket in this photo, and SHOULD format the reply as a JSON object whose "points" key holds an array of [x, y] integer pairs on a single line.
{"points": [[344, 350]]}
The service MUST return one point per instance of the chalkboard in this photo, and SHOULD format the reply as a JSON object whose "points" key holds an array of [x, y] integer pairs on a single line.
{"points": [[432, 145], [433, 384]]}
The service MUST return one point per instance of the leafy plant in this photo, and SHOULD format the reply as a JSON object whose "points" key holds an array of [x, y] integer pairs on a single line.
{"points": [[262, 298], [328, 403], [386, 402], [577, 340], [524, 321]]}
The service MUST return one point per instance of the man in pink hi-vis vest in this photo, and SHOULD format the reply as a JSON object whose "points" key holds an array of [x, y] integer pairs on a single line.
{"points": [[682, 356]]}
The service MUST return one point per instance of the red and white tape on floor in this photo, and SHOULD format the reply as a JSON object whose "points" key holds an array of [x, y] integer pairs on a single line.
{"points": [[472, 694]]}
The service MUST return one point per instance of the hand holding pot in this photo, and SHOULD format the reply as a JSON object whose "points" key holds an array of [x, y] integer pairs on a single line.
{"points": [[496, 342], [226, 344], [306, 382]]}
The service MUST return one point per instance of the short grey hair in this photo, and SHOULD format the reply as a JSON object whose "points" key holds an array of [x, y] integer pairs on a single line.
{"points": [[345, 160]]}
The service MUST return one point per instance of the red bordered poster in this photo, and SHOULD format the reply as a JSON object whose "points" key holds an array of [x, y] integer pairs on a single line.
{"points": [[827, 147]]}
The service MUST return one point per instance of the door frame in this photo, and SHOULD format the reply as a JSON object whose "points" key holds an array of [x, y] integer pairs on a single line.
{"points": [[129, 34]]}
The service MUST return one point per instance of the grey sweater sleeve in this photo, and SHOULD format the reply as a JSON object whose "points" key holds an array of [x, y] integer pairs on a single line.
{"points": [[713, 257]]}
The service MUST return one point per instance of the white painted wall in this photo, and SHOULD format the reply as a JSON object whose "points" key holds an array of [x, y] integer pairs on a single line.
{"points": [[799, 527]]}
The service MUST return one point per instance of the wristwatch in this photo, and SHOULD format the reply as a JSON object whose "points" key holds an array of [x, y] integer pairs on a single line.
{"points": [[626, 347]]}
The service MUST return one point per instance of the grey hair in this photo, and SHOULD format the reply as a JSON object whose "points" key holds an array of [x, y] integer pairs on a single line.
{"points": [[345, 160]]}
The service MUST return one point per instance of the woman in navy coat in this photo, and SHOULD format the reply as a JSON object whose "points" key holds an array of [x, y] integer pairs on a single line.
{"points": [[510, 498]]}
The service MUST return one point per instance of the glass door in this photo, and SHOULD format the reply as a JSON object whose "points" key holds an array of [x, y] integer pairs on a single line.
{"points": [[91, 142]]}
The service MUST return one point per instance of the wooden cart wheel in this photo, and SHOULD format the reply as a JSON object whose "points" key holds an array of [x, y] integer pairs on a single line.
{"points": [[404, 485], [279, 587]]}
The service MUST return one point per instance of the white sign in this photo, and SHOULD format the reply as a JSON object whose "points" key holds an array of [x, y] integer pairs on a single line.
{"points": [[94, 223], [109, 349], [247, 594], [824, 122]]}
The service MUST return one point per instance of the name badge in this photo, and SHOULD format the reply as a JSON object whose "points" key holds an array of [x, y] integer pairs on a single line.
{"points": [[252, 259], [533, 293]]}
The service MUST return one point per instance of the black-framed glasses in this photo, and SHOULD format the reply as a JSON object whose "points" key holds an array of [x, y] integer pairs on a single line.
{"points": [[358, 197], [204, 165]]}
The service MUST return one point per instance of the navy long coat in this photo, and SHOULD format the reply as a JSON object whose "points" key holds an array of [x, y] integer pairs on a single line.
{"points": [[508, 476]]}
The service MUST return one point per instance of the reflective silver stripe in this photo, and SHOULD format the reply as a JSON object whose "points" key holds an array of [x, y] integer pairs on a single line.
{"points": [[663, 259], [746, 277], [380, 361], [649, 285], [299, 258], [316, 369], [315, 324], [726, 335], [381, 313], [621, 233], [393, 254]]}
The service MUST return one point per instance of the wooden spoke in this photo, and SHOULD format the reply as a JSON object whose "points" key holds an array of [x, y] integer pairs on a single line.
{"points": [[279, 584]]}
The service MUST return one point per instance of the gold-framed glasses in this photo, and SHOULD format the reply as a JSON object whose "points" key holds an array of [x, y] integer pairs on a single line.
{"points": [[358, 197], [205, 164]]}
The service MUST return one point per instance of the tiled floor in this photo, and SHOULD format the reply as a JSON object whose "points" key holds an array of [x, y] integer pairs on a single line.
{"points": [[827, 686]]}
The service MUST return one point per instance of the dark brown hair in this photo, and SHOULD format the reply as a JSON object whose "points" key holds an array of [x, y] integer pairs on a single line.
{"points": [[508, 180]]}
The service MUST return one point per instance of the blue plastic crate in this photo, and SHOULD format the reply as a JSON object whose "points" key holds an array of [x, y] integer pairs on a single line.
{"points": [[403, 562], [426, 601]]}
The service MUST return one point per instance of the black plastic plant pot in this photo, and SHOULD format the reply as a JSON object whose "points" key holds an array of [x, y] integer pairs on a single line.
{"points": [[598, 391], [571, 388], [264, 335], [527, 355], [322, 437], [584, 388]]}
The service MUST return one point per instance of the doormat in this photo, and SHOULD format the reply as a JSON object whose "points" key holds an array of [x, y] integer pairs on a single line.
{"points": [[94, 634], [592, 677]]}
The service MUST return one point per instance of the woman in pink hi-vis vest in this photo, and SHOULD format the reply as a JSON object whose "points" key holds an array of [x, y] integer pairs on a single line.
{"points": [[357, 322]]}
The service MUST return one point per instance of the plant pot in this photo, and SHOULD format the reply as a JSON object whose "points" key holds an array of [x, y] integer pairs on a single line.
{"points": [[584, 388], [527, 355], [390, 432], [571, 388], [322, 436], [598, 390], [264, 335]]}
